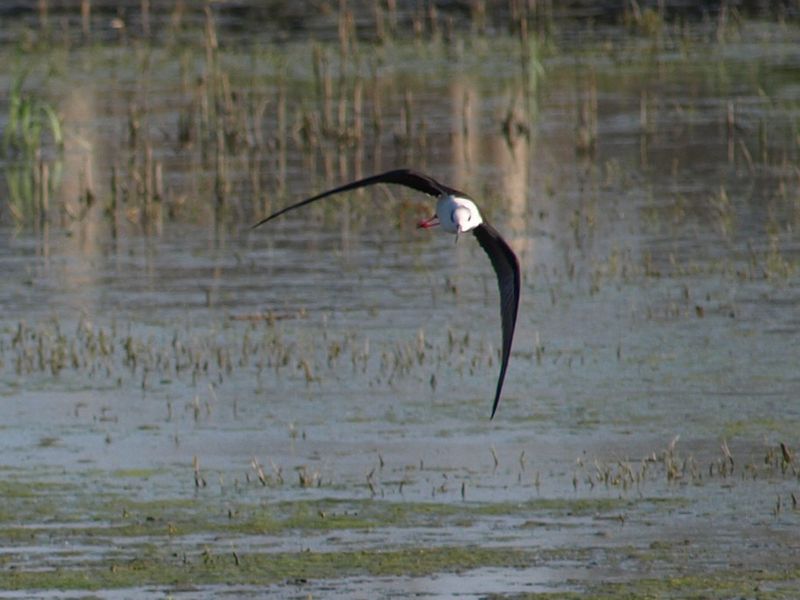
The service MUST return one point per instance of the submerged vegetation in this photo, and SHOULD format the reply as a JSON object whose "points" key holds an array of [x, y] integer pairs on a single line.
{"points": [[206, 123], [29, 181]]}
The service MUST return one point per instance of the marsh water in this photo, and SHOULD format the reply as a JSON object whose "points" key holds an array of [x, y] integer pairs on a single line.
{"points": [[193, 407]]}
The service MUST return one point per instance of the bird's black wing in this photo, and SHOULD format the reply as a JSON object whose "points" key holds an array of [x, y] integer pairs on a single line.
{"points": [[506, 265], [406, 177]]}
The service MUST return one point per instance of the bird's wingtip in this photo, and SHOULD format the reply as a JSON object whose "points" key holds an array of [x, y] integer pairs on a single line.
{"points": [[260, 223]]}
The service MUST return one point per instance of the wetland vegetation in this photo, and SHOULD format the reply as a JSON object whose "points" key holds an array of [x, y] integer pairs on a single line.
{"points": [[191, 407]]}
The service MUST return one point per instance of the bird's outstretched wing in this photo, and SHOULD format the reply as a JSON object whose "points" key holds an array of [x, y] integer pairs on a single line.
{"points": [[503, 259], [406, 177], [506, 266]]}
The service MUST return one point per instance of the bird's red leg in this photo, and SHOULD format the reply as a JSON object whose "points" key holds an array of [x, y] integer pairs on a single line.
{"points": [[428, 223]]}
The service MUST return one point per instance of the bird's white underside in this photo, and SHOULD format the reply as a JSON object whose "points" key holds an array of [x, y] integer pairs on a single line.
{"points": [[457, 215]]}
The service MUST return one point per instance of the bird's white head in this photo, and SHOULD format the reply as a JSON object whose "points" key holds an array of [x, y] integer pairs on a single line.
{"points": [[457, 215]]}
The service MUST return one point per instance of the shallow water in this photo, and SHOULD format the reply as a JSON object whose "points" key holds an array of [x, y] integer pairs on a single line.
{"points": [[150, 380]]}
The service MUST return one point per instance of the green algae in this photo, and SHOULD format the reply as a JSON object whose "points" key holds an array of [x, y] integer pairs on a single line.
{"points": [[207, 568], [193, 540], [718, 584], [136, 473], [70, 510], [203, 565], [755, 427]]}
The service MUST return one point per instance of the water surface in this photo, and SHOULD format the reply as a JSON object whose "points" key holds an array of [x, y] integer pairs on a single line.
{"points": [[183, 390]]}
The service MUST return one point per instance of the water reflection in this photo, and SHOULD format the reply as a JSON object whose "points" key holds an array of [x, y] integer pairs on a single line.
{"points": [[512, 161]]}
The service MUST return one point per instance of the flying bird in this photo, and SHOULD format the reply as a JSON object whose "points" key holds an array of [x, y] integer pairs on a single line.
{"points": [[455, 213]]}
